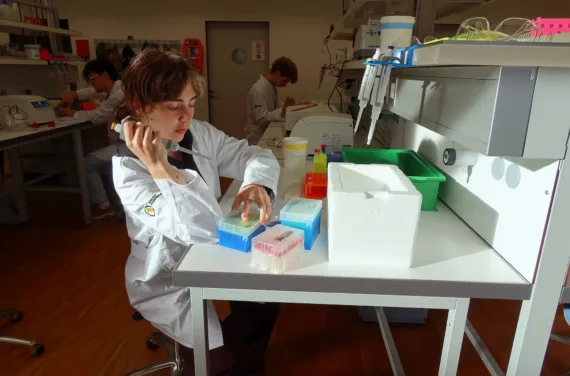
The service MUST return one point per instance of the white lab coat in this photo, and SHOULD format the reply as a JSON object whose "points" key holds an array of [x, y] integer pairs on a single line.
{"points": [[104, 113], [262, 108], [165, 219]]}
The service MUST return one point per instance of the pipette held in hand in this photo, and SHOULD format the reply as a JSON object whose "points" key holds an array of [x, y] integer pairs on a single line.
{"points": [[168, 144], [366, 87]]}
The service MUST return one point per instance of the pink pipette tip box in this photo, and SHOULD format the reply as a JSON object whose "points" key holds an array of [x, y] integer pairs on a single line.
{"points": [[277, 249]]}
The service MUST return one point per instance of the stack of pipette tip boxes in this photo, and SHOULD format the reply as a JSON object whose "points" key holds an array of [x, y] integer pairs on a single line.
{"points": [[277, 249], [236, 233]]}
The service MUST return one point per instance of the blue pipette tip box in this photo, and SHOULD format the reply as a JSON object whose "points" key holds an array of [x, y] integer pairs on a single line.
{"points": [[304, 214], [237, 234]]}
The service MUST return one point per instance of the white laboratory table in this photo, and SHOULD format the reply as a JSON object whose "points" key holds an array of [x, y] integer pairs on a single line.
{"points": [[11, 140], [457, 265]]}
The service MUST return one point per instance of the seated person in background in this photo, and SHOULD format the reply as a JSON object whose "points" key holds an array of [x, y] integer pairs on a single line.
{"points": [[102, 78], [171, 203], [262, 106]]}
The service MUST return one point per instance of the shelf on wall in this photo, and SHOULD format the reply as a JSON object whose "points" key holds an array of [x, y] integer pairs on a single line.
{"points": [[4, 24], [363, 10], [23, 61]]}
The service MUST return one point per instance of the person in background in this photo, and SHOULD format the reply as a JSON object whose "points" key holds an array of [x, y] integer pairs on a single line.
{"points": [[262, 107], [171, 203], [103, 81]]}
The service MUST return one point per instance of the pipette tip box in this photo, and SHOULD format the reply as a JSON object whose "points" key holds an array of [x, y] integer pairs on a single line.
{"points": [[304, 214], [277, 249], [236, 233]]}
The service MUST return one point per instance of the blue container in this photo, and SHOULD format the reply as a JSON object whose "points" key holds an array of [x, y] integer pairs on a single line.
{"points": [[237, 234], [304, 214]]}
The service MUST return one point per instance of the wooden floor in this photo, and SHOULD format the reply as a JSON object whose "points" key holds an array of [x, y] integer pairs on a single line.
{"points": [[69, 281]]}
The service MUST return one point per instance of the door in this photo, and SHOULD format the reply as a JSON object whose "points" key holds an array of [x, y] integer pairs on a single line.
{"points": [[237, 55]]}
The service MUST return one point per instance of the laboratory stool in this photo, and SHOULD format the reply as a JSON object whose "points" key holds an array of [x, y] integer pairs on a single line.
{"points": [[16, 315], [158, 339]]}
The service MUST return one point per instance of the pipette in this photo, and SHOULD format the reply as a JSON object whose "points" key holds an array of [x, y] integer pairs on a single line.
{"points": [[168, 144], [379, 92], [366, 87]]}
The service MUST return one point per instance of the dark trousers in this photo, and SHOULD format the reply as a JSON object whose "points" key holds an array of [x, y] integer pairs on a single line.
{"points": [[246, 333]]}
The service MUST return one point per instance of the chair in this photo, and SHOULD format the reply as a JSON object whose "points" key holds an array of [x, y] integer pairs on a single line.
{"points": [[16, 315], [158, 339]]}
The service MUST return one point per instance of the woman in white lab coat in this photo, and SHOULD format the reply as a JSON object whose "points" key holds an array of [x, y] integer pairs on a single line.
{"points": [[170, 208]]}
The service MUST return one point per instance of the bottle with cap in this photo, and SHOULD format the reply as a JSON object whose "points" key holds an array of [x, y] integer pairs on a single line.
{"points": [[320, 160], [5, 10]]}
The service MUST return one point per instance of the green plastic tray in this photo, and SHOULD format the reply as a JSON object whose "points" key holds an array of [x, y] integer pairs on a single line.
{"points": [[425, 177]]}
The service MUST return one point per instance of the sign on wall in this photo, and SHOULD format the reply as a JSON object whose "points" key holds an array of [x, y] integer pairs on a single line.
{"points": [[258, 50]]}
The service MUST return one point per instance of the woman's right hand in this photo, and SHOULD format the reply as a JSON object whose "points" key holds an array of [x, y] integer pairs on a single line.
{"points": [[146, 144]]}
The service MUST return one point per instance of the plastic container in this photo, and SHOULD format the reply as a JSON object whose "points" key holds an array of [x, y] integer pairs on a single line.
{"points": [[396, 31], [319, 162], [237, 234], [15, 14], [425, 177], [5, 10], [32, 51], [277, 249], [373, 214], [315, 186], [304, 214], [549, 26], [295, 154]]}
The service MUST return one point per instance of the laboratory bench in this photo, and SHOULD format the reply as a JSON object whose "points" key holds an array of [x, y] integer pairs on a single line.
{"points": [[456, 265], [12, 140]]}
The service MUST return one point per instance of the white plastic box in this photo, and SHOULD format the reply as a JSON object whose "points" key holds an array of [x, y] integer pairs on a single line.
{"points": [[277, 249], [373, 214]]}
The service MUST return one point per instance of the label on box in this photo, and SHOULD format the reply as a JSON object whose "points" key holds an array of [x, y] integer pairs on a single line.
{"points": [[333, 142]]}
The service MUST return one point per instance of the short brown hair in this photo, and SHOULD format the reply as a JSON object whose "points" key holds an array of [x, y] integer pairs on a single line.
{"points": [[159, 74], [286, 67]]}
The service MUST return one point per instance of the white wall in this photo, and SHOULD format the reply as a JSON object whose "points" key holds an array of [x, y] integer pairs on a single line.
{"points": [[297, 28]]}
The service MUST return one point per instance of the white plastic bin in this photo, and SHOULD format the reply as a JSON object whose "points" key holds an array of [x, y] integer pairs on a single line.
{"points": [[373, 214], [396, 31]]}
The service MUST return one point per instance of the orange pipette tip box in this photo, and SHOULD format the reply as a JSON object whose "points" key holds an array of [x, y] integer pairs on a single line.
{"points": [[315, 186]]}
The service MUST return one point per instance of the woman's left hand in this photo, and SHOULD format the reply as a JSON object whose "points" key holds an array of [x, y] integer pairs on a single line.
{"points": [[250, 194]]}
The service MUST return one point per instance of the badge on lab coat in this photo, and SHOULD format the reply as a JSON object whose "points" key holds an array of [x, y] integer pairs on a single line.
{"points": [[258, 50]]}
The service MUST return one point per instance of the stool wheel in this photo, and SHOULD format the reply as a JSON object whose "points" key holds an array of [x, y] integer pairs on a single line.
{"points": [[38, 350], [17, 316], [137, 316], [151, 344]]}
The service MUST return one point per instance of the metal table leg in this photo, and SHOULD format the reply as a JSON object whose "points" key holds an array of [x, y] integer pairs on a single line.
{"points": [[393, 356], [200, 328], [20, 193], [81, 176], [453, 340]]}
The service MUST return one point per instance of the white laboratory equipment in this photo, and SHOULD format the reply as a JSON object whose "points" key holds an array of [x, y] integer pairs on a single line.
{"points": [[381, 82], [367, 40], [25, 110], [373, 214], [331, 129], [293, 113], [366, 88]]}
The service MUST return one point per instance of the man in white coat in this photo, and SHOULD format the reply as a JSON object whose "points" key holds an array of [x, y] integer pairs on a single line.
{"points": [[103, 81], [262, 107], [171, 203]]}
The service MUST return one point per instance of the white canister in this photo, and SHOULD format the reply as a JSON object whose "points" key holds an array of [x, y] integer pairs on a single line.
{"points": [[32, 51], [295, 153], [396, 31]]}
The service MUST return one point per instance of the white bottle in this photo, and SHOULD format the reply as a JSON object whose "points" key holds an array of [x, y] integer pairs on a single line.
{"points": [[15, 15], [5, 10]]}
